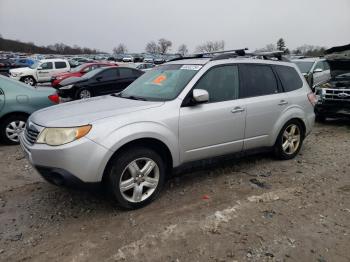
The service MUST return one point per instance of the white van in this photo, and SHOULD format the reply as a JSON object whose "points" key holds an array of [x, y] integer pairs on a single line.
{"points": [[41, 71]]}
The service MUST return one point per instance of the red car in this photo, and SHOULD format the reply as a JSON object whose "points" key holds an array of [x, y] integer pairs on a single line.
{"points": [[77, 72]]}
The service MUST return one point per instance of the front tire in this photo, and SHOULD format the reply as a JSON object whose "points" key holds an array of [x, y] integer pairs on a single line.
{"points": [[29, 80], [136, 177], [289, 141], [11, 127], [83, 94]]}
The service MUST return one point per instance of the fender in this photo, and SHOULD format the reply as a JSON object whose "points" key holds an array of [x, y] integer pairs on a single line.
{"points": [[146, 129], [289, 113]]}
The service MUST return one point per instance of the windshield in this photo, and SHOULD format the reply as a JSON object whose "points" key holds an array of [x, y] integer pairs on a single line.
{"points": [[93, 72], [304, 66], [161, 84], [35, 65], [78, 68]]}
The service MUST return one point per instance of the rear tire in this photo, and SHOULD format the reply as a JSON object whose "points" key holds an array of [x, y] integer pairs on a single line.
{"points": [[11, 127], [136, 177], [289, 140]]}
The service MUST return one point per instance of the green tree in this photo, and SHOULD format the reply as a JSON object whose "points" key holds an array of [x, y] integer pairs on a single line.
{"points": [[281, 45]]}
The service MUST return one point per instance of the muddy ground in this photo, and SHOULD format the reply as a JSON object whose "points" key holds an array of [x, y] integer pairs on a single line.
{"points": [[252, 209]]}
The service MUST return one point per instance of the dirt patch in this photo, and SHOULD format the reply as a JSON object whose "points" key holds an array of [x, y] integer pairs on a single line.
{"points": [[253, 209]]}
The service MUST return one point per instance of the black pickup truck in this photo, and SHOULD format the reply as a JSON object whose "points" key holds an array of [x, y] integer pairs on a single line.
{"points": [[334, 96]]}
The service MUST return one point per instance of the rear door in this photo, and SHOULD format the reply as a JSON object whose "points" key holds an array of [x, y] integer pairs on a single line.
{"points": [[60, 67], [46, 72], [265, 102]]}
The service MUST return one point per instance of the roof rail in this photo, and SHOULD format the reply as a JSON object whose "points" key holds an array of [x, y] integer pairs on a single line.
{"points": [[237, 52]]}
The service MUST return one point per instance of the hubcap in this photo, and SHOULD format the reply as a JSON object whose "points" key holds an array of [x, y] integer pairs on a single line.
{"points": [[85, 94], [29, 81], [291, 139], [13, 130], [139, 180]]}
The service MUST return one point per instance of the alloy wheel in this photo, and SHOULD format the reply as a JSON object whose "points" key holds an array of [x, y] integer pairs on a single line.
{"points": [[84, 94], [139, 180], [29, 81], [291, 139], [13, 130]]}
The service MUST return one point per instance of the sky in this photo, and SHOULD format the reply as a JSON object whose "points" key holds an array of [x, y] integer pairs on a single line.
{"points": [[103, 24]]}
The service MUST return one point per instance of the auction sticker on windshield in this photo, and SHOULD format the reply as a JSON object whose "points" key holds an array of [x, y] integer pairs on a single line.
{"points": [[191, 67]]}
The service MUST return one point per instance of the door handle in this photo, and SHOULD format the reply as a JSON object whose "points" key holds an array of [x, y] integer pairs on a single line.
{"points": [[283, 102], [237, 109]]}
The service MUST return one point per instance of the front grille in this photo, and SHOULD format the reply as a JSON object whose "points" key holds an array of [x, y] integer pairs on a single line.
{"points": [[31, 134], [337, 95]]}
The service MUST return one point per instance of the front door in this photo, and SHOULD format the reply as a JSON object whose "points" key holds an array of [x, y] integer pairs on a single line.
{"points": [[45, 72], [2, 99], [216, 127]]}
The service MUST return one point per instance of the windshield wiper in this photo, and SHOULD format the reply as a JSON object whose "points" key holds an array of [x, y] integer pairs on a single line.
{"points": [[131, 97]]}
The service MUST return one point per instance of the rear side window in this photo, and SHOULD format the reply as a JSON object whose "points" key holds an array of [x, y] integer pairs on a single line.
{"points": [[258, 80], [109, 73], [289, 77], [60, 65], [222, 83], [125, 72]]}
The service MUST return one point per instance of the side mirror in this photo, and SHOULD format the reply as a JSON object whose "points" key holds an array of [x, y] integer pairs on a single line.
{"points": [[200, 96], [318, 70], [40, 68]]}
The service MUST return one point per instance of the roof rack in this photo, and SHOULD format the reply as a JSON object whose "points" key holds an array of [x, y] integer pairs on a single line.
{"points": [[220, 55], [236, 52]]}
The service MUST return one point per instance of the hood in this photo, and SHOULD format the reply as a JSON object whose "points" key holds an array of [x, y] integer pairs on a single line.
{"points": [[87, 111], [72, 80], [21, 70], [339, 67]]}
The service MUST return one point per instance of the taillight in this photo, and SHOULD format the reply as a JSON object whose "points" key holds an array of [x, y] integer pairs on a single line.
{"points": [[54, 98], [312, 98]]}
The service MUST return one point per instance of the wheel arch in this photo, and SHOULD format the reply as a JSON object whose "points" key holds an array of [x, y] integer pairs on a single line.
{"points": [[14, 113], [155, 144]]}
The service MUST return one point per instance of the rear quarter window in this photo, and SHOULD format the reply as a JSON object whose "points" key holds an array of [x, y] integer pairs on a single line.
{"points": [[289, 77]]}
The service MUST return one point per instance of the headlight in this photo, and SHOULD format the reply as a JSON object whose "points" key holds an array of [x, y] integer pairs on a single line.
{"points": [[56, 136], [66, 87]]}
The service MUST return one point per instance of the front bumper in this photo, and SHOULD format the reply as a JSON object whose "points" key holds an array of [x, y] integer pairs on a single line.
{"points": [[78, 162], [336, 108]]}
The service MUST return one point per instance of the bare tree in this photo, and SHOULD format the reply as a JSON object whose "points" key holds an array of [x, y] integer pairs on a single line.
{"points": [[267, 48], [182, 50], [309, 50], [120, 49], [164, 46], [211, 46], [151, 47]]}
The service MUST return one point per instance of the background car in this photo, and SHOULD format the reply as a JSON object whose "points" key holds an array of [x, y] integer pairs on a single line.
{"points": [[101, 81], [17, 102], [128, 58], [315, 70], [144, 66], [41, 71], [24, 62], [6, 65], [77, 72]]}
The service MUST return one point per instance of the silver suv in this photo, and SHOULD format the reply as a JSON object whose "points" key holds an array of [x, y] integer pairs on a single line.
{"points": [[179, 112]]}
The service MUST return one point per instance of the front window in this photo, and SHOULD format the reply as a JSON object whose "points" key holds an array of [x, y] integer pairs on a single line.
{"points": [[304, 66], [35, 65], [161, 84]]}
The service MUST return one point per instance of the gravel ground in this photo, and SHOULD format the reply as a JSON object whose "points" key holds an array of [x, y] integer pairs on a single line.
{"points": [[252, 209]]}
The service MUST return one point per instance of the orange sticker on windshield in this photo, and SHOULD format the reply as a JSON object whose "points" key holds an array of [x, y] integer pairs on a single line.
{"points": [[159, 79]]}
